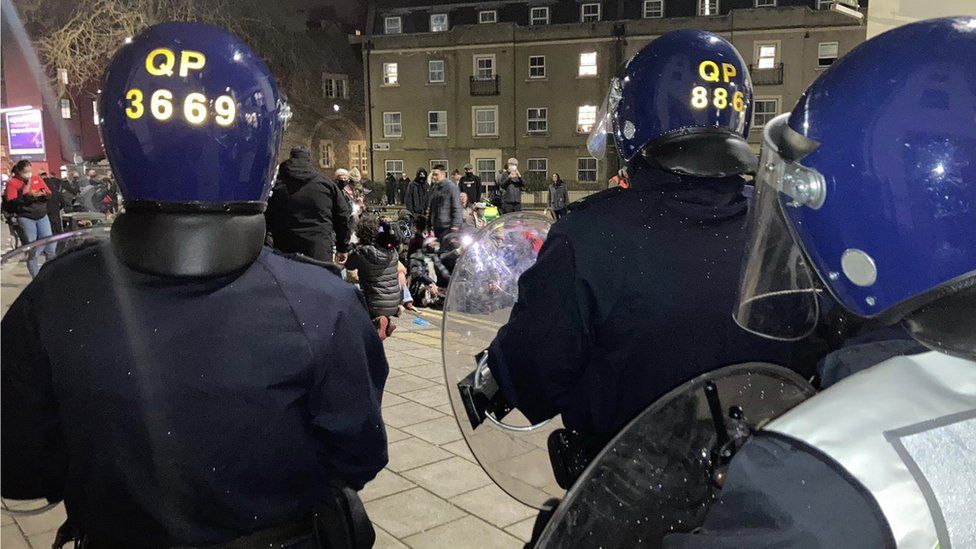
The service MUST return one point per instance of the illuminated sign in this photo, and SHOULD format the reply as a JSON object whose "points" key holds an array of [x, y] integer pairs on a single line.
{"points": [[195, 108], [25, 132], [710, 71]]}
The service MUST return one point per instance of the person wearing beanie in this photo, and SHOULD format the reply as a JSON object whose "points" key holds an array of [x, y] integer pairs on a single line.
{"points": [[470, 183]]}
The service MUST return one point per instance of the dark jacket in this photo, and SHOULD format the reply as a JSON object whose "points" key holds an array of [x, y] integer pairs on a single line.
{"points": [[445, 205], [558, 195], [18, 201], [511, 188], [417, 198], [470, 184], [391, 188], [207, 409], [402, 185], [630, 297], [419, 271], [377, 270], [305, 209]]}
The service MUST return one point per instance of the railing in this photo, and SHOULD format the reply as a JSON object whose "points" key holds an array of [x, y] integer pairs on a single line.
{"points": [[767, 77], [484, 86]]}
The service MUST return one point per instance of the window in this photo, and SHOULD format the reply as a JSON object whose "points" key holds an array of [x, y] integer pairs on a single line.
{"points": [[342, 90], [485, 120], [586, 169], [66, 108], [538, 165], [653, 9], [486, 169], [537, 66], [335, 86], [826, 54], [488, 16], [437, 123], [390, 74], [435, 71], [394, 166], [707, 7], [824, 4], [538, 120], [357, 156], [484, 67], [326, 153], [392, 25], [585, 118], [438, 22], [587, 64], [392, 124], [440, 162], [589, 13], [765, 3], [765, 55], [63, 76], [539, 16], [95, 112], [764, 110]]}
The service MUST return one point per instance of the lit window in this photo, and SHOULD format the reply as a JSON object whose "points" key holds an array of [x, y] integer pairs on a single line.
{"points": [[438, 22], [484, 67], [707, 7], [485, 121], [486, 168], [357, 156], [653, 9], [392, 124], [539, 16], [764, 110], [587, 64], [826, 54], [437, 123], [765, 56], [538, 120], [390, 74], [392, 25], [326, 153], [537, 66], [537, 165], [95, 112], [585, 118], [63, 76], [443, 163], [488, 16], [435, 70], [589, 13], [394, 167], [586, 169], [765, 3], [65, 108]]}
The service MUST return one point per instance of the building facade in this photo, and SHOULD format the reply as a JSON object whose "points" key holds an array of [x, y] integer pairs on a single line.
{"points": [[457, 83]]}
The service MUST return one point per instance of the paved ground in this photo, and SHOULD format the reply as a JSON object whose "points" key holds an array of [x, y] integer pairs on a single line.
{"points": [[432, 493]]}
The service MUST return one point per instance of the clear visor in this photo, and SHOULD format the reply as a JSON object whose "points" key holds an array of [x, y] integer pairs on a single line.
{"points": [[596, 143], [777, 290]]}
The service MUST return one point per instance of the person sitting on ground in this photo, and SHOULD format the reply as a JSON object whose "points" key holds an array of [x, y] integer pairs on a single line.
{"points": [[477, 218], [404, 286], [428, 275], [375, 261], [419, 235]]}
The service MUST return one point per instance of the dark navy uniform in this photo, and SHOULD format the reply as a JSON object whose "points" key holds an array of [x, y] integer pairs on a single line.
{"points": [[631, 295], [170, 411]]}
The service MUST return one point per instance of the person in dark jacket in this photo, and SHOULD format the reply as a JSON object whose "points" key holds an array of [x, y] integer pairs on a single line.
{"points": [[470, 184], [558, 196], [420, 234], [305, 210], [54, 203], [446, 213], [402, 183], [26, 197], [510, 185], [429, 276], [375, 261], [391, 189], [417, 198]]}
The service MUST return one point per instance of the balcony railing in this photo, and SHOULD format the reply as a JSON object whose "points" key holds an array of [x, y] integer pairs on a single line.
{"points": [[484, 86], [766, 77]]}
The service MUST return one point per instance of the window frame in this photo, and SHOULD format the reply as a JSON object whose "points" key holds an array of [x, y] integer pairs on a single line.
{"points": [[494, 18], [542, 20], [595, 170], [544, 119], [765, 3], [440, 122], [386, 75], [329, 148], [396, 173], [431, 162], [757, 56], [821, 58], [386, 24], [447, 22], [361, 160], [579, 125], [65, 107], [596, 65], [388, 135], [544, 74], [644, 9], [824, 4], [443, 71], [755, 102], [545, 168], [474, 120], [483, 174], [599, 12], [331, 87], [703, 3], [474, 66]]}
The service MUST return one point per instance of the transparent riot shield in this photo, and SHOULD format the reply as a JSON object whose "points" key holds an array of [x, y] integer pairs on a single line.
{"points": [[483, 290], [662, 471], [14, 277]]}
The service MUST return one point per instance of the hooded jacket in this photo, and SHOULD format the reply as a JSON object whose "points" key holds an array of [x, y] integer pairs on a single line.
{"points": [[305, 209], [417, 198], [558, 195], [377, 270]]}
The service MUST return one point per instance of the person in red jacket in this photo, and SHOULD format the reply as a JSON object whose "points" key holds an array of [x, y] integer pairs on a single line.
{"points": [[26, 197]]}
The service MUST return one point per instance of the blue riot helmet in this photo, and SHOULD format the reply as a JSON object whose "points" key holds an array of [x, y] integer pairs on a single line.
{"points": [[871, 184], [191, 119], [683, 103]]}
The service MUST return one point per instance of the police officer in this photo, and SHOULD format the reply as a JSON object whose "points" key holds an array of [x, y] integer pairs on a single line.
{"points": [[877, 186], [181, 385], [631, 293]]}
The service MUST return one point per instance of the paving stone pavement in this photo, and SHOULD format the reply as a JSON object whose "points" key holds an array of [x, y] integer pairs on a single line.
{"points": [[433, 494]]}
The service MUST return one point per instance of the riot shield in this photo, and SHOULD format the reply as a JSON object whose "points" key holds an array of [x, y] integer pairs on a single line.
{"points": [[14, 277], [662, 471], [482, 292]]}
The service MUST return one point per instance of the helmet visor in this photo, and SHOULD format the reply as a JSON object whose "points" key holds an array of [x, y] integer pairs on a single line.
{"points": [[777, 294], [602, 127]]}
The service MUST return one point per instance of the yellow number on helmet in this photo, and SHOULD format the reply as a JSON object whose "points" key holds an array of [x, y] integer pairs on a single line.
{"points": [[135, 108], [738, 101]]}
